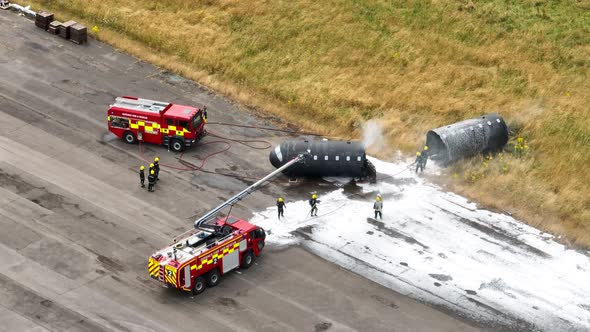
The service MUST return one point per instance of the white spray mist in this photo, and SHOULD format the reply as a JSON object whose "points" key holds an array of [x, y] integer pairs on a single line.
{"points": [[373, 135]]}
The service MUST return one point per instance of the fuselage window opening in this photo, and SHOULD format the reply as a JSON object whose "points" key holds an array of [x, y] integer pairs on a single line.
{"points": [[315, 157], [347, 158], [325, 157]]}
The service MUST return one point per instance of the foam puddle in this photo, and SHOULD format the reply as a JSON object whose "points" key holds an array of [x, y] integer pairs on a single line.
{"points": [[438, 247]]}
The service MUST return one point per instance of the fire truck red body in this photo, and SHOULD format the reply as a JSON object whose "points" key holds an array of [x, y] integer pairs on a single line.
{"points": [[200, 258], [177, 126]]}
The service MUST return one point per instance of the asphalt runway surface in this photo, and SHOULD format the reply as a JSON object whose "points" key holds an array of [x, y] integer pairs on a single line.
{"points": [[77, 229]]}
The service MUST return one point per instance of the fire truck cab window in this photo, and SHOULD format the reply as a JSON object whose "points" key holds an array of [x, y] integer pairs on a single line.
{"points": [[257, 233], [119, 122], [183, 124], [170, 122]]}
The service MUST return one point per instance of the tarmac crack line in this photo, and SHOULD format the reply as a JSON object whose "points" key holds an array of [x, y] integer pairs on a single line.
{"points": [[135, 211], [26, 318], [62, 306], [84, 284], [296, 304]]}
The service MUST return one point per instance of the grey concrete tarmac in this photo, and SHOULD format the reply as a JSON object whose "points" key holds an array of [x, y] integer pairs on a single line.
{"points": [[77, 229]]}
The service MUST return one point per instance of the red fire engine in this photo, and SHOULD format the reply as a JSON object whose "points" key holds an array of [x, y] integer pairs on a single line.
{"points": [[200, 257], [136, 119]]}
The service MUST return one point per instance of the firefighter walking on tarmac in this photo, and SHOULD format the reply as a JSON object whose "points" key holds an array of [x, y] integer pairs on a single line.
{"points": [[151, 180], [142, 176], [157, 168], [378, 207], [281, 206], [313, 202]]}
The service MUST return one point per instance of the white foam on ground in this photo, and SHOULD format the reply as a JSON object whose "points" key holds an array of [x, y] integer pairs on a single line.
{"points": [[486, 265]]}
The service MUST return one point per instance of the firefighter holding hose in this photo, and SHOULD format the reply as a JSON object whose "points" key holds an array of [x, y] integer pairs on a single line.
{"points": [[425, 154], [281, 206], [418, 162], [313, 202]]}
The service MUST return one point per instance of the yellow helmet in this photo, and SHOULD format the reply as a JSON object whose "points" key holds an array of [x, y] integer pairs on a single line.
{"points": [[426, 148], [152, 172], [418, 154], [280, 199], [313, 196], [142, 168], [156, 159], [152, 165], [378, 198]]}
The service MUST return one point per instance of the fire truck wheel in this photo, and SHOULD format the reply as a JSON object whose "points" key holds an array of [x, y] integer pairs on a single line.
{"points": [[177, 145], [129, 137], [247, 260], [213, 278], [199, 285]]}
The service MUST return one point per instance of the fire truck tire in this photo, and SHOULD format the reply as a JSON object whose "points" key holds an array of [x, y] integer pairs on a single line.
{"points": [[176, 145], [129, 137], [213, 278], [247, 260], [199, 285]]}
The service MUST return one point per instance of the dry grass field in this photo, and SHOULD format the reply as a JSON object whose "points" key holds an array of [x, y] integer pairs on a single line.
{"points": [[413, 65]]}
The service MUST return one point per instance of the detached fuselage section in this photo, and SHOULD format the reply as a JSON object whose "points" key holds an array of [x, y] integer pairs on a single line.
{"points": [[324, 158]]}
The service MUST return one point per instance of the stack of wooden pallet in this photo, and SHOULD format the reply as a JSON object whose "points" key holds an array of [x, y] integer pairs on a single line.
{"points": [[42, 20], [78, 34], [54, 27], [65, 29]]}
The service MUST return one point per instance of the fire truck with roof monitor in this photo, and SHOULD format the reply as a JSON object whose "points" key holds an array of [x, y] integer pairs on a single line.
{"points": [[137, 119], [199, 257]]}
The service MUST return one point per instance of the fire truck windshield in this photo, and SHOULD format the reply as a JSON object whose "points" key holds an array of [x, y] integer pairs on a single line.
{"points": [[197, 120]]}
